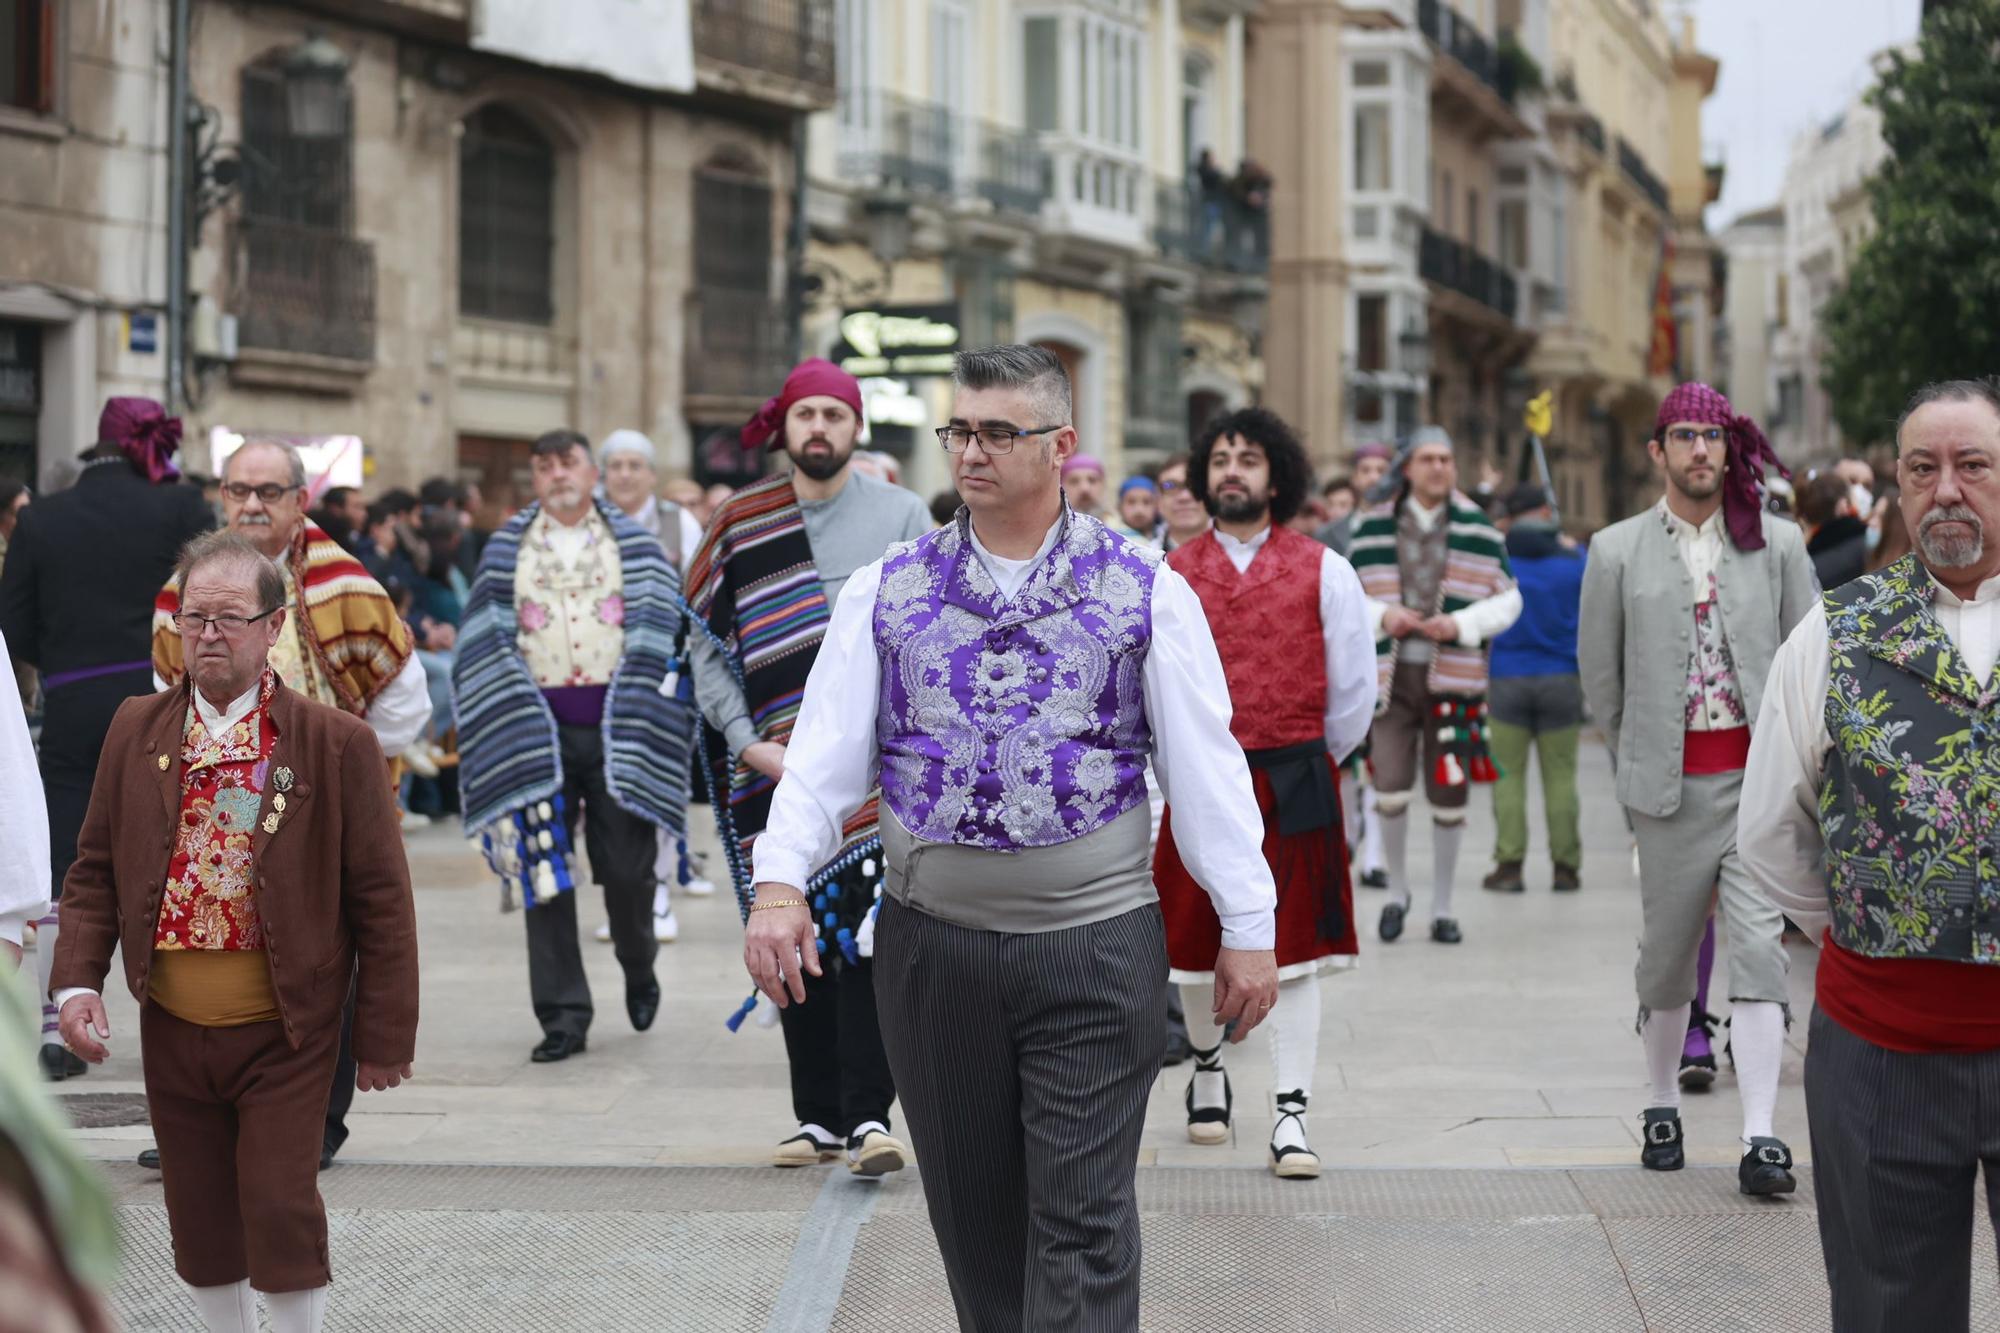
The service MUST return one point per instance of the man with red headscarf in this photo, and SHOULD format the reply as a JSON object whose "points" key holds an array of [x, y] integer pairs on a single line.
{"points": [[1683, 609], [765, 579], [76, 601]]}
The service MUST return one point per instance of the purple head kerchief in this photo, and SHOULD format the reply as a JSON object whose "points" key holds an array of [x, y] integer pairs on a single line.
{"points": [[1749, 455], [144, 433]]}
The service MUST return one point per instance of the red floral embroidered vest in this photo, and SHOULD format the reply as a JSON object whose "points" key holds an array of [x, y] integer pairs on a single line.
{"points": [[210, 902], [1266, 626]]}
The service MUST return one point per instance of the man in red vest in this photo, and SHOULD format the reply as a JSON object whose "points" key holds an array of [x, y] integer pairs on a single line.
{"points": [[1291, 624]]}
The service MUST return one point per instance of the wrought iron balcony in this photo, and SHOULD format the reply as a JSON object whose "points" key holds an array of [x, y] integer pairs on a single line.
{"points": [[1458, 37], [927, 148], [736, 344], [1014, 170], [1457, 266], [792, 39], [303, 290], [1211, 227], [1636, 170]]}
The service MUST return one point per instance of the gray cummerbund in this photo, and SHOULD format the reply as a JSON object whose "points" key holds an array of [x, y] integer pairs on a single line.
{"points": [[1092, 878]]}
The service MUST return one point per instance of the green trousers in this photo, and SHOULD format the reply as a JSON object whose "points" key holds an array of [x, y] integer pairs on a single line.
{"points": [[1557, 750]]}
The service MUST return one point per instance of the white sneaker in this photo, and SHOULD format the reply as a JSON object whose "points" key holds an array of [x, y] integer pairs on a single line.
{"points": [[665, 929], [603, 933], [697, 887], [413, 821], [419, 758]]}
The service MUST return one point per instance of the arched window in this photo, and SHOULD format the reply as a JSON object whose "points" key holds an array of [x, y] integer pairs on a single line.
{"points": [[506, 219]]}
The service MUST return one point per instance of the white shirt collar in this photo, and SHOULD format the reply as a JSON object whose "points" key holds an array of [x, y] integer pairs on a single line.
{"points": [[220, 720], [1011, 574], [1985, 596], [1688, 532], [645, 517], [1255, 544]]}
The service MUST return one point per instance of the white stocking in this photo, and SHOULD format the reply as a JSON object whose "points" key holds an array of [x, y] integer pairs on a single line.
{"points": [[1371, 832], [1205, 1035], [1395, 826], [1664, 1035], [226, 1309], [45, 961], [666, 871], [1350, 809], [296, 1311], [1446, 835], [1757, 1037], [1294, 1027]]}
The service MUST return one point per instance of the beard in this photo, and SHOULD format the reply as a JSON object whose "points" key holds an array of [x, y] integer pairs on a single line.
{"points": [[1951, 552], [1241, 506], [819, 464], [1702, 489]]}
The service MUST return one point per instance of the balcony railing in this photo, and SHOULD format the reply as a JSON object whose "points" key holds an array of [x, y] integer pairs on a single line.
{"points": [[304, 290], [1211, 227], [1636, 170], [926, 147], [736, 344], [1457, 266], [1458, 37], [792, 39], [1014, 170]]}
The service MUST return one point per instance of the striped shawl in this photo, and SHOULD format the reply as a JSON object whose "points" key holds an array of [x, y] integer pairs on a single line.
{"points": [[754, 584], [509, 759], [1475, 569], [349, 624]]}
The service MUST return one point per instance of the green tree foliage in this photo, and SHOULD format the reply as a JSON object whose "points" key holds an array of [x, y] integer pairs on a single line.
{"points": [[1922, 301]]}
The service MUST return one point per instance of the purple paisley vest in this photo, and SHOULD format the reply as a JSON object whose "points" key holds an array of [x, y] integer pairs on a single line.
{"points": [[1016, 724]]}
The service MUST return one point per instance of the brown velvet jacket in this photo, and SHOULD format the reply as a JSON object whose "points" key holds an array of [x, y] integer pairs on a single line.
{"points": [[332, 883]]}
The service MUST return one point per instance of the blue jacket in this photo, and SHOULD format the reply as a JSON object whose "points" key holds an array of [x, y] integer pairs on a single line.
{"points": [[1543, 641]]}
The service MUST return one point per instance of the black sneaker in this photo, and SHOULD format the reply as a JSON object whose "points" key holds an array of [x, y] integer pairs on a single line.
{"points": [[1664, 1150], [1766, 1168], [1444, 930], [1375, 879]]}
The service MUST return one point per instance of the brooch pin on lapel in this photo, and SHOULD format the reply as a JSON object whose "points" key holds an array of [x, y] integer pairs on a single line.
{"points": [[270, 823], [283, 779]]}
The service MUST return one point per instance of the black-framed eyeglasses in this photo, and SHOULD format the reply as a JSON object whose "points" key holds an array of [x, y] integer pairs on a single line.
{"points": [[992, 439], [1686, 435], [228, 626], [270, 492]]}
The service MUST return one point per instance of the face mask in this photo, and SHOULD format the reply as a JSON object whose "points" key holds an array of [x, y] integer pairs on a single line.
{"points": [[1872, 539]]}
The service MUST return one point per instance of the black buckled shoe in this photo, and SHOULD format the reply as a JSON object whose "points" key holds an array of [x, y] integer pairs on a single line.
{"points": [[557, 1046], [1209, 1124], [1391, 928], [642, 1003], [1665, 1148], [1444, 930], [1766, 1168], [1374, 879]]}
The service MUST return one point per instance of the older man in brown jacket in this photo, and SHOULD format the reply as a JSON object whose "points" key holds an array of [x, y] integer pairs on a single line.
{"points": [[242, 847]]}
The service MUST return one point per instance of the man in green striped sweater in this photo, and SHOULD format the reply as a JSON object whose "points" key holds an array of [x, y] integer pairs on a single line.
{"points": [[1439, 589]]}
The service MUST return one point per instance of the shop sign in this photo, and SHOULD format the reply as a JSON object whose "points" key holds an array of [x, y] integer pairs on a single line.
{"points": [[898, 340]]}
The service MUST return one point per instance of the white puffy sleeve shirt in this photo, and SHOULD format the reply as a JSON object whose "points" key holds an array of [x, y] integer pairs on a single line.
{"points": [[24, 820], [832, 761]]}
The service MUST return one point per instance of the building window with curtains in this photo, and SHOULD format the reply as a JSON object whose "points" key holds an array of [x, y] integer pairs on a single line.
{"points": [[506, 219], [306, 283], [28, 55]]}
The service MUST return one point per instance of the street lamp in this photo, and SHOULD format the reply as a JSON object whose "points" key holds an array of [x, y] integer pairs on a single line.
{"points": [[316, 89]]}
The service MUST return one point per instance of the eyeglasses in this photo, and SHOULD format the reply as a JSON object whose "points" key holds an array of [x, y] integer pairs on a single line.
{"points": [[1169, 487], [228, 626], [1685, 435], [270, 492], [992, 439]]}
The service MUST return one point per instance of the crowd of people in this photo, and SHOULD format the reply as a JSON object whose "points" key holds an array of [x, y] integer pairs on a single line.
{"points": [[1022, 793]]}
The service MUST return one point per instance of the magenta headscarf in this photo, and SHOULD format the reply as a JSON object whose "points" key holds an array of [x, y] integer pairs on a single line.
{"points": [[811, 378], [1749, 454], [144, 433]]}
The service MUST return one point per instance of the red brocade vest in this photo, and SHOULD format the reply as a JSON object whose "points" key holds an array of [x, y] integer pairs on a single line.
{"points": [[209, 902], [1267, 629]]}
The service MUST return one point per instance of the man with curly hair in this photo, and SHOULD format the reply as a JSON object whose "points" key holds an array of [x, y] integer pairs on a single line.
{"points": [[1291, 625]]}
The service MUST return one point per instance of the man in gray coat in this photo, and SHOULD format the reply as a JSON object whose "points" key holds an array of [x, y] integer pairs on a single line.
{"points": [[1684, 607]]}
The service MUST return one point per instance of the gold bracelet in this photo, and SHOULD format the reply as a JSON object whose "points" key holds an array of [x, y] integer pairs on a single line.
{"points": [[788, 902]]}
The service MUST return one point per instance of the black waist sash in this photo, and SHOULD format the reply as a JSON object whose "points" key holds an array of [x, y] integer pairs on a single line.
{"points": [[1306, 797]]}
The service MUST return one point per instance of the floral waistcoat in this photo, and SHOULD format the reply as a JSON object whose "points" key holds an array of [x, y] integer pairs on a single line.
{"points": [[209, 901], [1014, 724], [1910, 797], [571, 609]]}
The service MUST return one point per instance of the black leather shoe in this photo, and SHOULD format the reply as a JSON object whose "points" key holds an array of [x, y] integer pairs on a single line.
{"points": [[1444, 930], [1766, 1168], [1665, 1149], [1375, 879], [1391, 927], [643, 1004], [59, 1063], [325, 1157], [556, 1046], [150, 1159]]}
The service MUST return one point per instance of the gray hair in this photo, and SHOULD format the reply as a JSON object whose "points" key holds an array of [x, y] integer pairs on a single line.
{"points": [[225, 547], [1019, 366], [293, 459], [1985, 390]]}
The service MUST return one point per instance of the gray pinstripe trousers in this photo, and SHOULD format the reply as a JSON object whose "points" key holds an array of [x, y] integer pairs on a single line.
{"points": [[1024, 1062], [1897, 1142]]}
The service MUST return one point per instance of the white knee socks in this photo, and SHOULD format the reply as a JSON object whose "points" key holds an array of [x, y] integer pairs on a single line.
{"points": [[1395, 827], [1757, 1037], [1371, 833], [295, 1311], [1445, 838], [1664, 1035], [45, 961], [1350, 810], [226, 1309], [1205, 1035], [1294, 1028]]}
